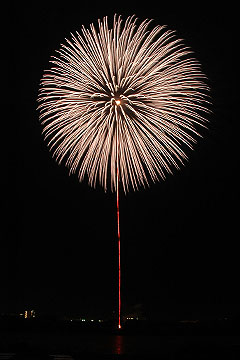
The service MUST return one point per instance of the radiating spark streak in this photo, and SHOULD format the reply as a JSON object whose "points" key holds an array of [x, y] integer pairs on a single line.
{"points": [[147, 79]]}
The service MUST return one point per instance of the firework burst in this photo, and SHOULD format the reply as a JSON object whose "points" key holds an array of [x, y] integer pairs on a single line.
{"points": [[125, 98], [122, 104]]}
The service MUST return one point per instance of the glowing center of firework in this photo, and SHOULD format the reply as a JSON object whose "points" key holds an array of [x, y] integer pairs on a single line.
{"points": [[116, 101]]}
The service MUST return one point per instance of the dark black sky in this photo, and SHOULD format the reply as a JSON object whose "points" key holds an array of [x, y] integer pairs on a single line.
{"points": [[179, 249]]}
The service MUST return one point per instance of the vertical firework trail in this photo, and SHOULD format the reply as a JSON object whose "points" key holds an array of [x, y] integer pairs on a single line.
{"points": [[125, 98], [118, 222], [119, 257]]}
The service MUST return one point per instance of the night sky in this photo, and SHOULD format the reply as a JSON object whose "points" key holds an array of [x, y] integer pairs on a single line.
{"points": [[179, 245]]}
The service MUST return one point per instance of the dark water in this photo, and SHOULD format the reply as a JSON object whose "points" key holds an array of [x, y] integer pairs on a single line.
{"points": [[31, 346]]}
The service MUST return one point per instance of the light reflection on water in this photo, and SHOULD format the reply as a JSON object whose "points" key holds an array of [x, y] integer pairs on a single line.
{"points": [[144, 346], [118, 345]]}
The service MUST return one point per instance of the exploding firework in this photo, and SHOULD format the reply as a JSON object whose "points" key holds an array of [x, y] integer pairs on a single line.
{"points": [[123, 104]]}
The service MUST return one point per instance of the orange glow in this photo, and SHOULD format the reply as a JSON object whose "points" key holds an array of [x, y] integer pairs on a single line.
{"points": [[118, 102]]}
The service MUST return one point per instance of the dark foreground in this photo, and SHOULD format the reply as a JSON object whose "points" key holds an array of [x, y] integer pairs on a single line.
{"points": [[34, 340]]}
